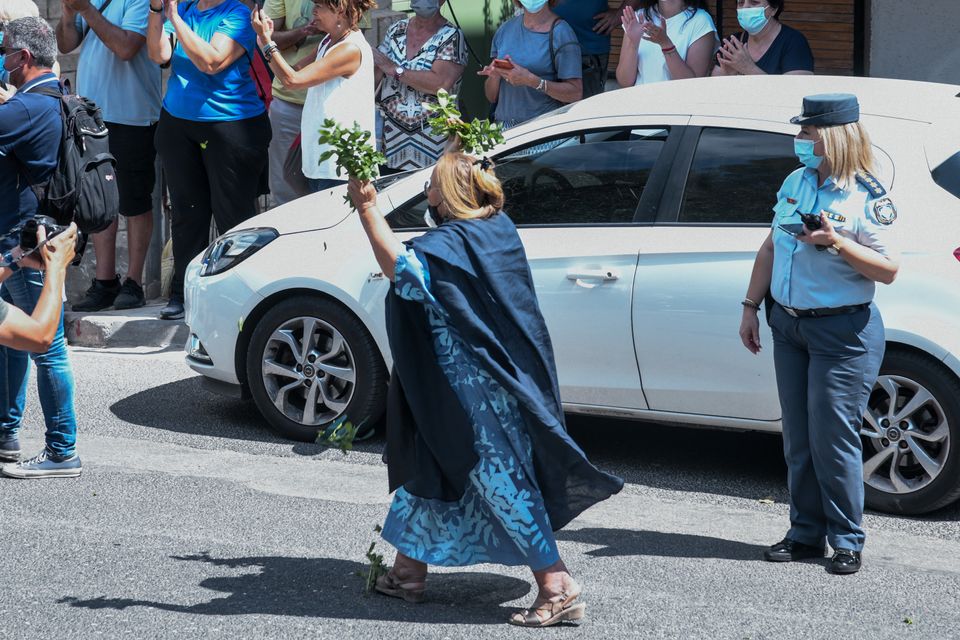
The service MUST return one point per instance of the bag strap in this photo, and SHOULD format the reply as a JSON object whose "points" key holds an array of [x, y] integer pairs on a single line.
{"points": [[553, 51]]}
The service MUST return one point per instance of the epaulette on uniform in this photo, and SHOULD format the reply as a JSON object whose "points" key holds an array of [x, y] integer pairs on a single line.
{"points": [[871, 184]]}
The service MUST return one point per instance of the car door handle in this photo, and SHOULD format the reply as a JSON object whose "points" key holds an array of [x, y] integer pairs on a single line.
{"points": [[604, 275]]}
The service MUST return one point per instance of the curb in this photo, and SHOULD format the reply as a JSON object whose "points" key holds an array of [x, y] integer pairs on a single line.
{"points": [[128, 328]]}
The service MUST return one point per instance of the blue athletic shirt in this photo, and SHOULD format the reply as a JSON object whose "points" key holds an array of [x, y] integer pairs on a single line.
{"points": [[228, 95]]}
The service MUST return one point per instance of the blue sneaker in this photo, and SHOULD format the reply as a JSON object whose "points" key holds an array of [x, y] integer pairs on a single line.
{"points": [[9, 448], [44, 465]]}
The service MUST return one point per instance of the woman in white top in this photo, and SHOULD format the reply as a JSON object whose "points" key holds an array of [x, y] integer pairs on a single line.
{"points": [[339, 81], [666, 40]]}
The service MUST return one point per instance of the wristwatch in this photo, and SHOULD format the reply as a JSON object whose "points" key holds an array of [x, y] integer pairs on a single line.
{"points": [[398, 72], [542, 87], [834, 249]]}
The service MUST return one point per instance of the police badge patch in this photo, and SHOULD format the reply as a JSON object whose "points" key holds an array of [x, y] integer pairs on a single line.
{"points": [[885, 211]]}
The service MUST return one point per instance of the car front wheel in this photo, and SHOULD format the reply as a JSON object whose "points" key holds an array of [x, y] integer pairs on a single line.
{"points": [[310, 362], [911, 436]]}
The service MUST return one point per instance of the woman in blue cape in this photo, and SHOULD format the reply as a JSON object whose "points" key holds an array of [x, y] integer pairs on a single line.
{"points": [[477, 450]]}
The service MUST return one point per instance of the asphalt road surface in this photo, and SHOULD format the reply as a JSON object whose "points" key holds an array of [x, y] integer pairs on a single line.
{"points": [[192, 520]]}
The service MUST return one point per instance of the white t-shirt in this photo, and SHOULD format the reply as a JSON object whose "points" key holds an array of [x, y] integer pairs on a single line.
{"points": [[683, 29], [345, 100]]}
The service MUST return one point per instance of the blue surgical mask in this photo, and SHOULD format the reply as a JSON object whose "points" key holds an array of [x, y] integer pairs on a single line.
{"points": [[753, 20], [533, 6], [425, 8], [804, 151]]}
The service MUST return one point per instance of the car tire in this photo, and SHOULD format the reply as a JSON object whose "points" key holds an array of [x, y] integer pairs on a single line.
{"points": [[340, 343], [931, 431]]}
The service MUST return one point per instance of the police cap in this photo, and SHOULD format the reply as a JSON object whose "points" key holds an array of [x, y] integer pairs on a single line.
{"points": [[829, 110]]}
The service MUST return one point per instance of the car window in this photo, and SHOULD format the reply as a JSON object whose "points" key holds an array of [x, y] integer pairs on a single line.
{"points": [[735, 176], [594, 177]]}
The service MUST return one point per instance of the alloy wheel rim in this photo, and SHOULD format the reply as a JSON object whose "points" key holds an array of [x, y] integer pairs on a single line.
{"points": [[906, 436], [309, 372]]}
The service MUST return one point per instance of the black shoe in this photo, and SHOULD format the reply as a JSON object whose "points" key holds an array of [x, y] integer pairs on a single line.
{"points": [[788, 550], [130, 296], [99, 296], [173, 310], [845, 562]]}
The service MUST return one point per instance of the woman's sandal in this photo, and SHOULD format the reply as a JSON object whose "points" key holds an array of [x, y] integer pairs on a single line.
{"points": [[557, 610], [411, 590]]}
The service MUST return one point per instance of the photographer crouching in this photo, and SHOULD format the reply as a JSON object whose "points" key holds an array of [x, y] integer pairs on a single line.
{"points": [[30, 133]]}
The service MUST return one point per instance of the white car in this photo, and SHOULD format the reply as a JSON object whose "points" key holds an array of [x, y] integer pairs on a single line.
{"points": [[641, 212]]}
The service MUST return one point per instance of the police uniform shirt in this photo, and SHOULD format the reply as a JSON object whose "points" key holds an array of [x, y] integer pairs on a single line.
{"points": [[804, 278]]}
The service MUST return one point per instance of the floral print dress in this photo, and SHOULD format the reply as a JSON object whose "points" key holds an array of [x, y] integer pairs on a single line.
{"points": [[501, 517], [407, 141]]}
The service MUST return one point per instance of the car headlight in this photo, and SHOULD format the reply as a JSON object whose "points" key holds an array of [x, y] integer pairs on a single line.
{"points": [[231, 249]]}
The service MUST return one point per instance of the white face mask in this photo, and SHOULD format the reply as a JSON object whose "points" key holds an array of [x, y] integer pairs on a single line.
{"points": [[425, 8]]}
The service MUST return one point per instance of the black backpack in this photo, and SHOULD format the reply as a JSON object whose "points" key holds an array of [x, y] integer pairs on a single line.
{"points": [[83, 188]]}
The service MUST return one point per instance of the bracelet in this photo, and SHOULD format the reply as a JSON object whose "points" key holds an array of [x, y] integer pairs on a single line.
{"points": [[152, 10], [747, 302], [269, 50], [669, 49]]}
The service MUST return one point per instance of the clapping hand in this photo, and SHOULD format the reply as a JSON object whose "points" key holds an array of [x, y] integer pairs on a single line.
{"points": [[734, 55], [632, 23], [73, 7], [262, 24], [171, 7], [384, 63]]}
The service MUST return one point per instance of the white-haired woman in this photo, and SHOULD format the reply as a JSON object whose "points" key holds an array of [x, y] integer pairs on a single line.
{"points": [[832, 241]]}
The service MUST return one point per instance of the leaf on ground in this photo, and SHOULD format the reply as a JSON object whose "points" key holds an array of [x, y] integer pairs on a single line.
{"points": [[766, 501], [908, 621]]}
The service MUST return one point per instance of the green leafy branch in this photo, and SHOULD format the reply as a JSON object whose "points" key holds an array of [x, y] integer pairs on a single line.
{"points": [[377, 567], [339, 434], [477, 136], [354, 154]]}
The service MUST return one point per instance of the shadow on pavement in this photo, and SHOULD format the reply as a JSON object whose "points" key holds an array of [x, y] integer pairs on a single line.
{"points": [[330, 588], [186, 407], [626, 542]]}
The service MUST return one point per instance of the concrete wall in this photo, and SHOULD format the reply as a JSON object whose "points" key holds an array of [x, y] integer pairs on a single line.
{"points": [[917, 40]]}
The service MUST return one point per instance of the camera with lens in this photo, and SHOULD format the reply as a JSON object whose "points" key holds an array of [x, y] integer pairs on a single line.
{"points": [[811, 221], [26, 235]]}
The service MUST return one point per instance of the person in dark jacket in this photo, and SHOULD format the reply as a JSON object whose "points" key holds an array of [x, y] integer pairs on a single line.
{"points": [[477, 450]]}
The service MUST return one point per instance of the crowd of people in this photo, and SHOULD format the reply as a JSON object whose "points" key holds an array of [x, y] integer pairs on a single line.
{"points": [[479, 460], [249, 87]]}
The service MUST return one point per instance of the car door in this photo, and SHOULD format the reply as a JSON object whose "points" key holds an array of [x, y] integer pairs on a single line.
{"points": [[574, 193], [694, 270]]}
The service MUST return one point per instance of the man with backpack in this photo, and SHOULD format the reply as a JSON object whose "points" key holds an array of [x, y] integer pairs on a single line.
{"points": [[115, 72], [31, 130]]}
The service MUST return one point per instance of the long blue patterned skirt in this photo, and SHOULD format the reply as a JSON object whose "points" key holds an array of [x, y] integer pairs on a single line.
{"points": [[501, 517]]}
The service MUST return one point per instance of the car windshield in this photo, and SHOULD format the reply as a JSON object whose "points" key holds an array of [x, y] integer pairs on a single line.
{"points": [[383, 182]]}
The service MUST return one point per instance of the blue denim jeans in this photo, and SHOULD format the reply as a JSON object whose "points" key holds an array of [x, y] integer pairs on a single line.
{"points": [[54, 373]]}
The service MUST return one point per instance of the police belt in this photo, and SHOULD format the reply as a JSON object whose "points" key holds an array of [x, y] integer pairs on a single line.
{"points": [[825, 311]]}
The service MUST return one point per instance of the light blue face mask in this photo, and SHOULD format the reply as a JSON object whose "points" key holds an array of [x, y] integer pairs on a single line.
{"points": [[804, 151], [425, 8], [533, 6], [752, 20]]}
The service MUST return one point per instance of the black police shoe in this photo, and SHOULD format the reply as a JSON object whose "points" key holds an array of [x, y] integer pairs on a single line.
{"points": [[845, 562], [173, 310], [99, 296], [788, 550], [130, 296]]}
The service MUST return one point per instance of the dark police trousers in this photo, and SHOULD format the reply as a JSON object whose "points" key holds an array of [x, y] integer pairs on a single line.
{"points": [[826, 368]]}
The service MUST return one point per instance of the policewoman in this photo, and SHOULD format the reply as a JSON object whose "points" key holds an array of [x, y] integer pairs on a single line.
{"points": [[830, 243]]}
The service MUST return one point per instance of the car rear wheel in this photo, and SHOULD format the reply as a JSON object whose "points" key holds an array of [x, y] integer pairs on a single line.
{"points": [[310, 362], [911, 436]]}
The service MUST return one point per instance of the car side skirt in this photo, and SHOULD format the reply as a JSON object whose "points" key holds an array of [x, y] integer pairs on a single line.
{"points": [[667, 417]]}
